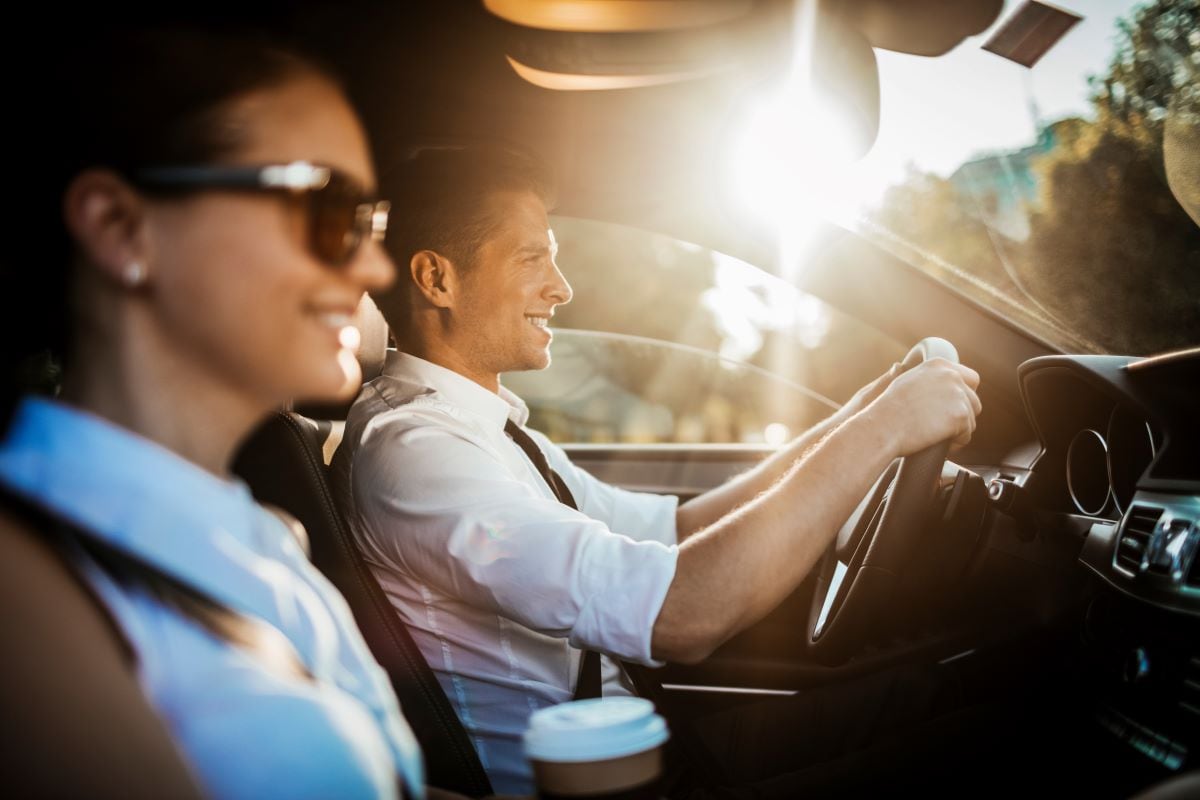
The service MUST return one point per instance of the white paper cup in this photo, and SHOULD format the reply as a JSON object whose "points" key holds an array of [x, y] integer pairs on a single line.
{"points": [[609, 747]]}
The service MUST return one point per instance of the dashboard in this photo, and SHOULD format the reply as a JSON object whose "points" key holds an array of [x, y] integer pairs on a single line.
{"points": [[1120, 447], [1119, 459]]}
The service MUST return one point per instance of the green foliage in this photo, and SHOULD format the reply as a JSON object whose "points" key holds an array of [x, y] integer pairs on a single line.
{"points": [[1155, 71]]}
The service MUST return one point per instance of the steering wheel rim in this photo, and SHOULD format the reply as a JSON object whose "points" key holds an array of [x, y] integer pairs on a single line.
{"points": [[852, 596]]}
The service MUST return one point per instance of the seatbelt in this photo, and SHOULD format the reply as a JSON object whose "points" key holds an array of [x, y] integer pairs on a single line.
{"points": [[700, 767], [262, 641], [587, 685]]}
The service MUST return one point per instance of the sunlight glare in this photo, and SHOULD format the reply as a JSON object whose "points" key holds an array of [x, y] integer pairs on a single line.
{"points": [[792, 149], [776, 433]]}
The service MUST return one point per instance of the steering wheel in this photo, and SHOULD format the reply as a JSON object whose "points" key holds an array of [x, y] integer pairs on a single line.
{"points": [[860, 570]]}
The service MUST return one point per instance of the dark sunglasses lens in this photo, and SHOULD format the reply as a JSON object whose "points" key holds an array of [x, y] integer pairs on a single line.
{"points": [[334, 218]]}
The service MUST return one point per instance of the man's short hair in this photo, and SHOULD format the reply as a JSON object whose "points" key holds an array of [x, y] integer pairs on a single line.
{"points": [[441, 201]]}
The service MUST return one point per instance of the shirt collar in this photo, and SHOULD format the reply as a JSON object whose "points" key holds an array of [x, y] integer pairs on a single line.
{"points": [[137, 496], [495, 408]]}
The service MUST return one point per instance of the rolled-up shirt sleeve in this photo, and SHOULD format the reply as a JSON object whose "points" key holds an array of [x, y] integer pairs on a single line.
{"points": [[452, 515], [638, 515]]}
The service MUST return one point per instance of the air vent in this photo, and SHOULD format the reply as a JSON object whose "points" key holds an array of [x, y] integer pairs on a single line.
{"points": [[1189, 696], [1135, 536]]}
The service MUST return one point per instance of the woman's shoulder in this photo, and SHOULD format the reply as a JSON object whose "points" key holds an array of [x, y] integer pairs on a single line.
{"points": [[80, 667], [69, 681]]}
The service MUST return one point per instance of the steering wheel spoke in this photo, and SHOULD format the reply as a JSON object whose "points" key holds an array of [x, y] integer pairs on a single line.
{"points": [[866, 515], [861, 568]]}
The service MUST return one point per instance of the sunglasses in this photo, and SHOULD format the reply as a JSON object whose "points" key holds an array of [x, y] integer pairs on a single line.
{"points": [[341, 214]]}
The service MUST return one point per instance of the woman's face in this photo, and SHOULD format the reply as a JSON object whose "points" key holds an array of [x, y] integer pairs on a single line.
{"points": [[237, 293]]}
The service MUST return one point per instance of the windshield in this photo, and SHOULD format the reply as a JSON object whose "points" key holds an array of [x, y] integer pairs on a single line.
{"points": [[1064, 196]]}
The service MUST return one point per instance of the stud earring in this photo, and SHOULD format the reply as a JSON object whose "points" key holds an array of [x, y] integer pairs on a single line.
{"points": [[134, 274]]}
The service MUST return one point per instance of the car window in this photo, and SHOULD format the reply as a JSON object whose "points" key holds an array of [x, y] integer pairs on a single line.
{"points": [[1053, 195], [666, 341]]}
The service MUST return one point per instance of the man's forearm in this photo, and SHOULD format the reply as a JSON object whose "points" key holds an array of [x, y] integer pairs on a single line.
{"points": [[735, 571], [705, 509]]}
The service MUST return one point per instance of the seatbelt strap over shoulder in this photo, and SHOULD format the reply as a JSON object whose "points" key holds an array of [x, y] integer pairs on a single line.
{"points": [[587, 684]]}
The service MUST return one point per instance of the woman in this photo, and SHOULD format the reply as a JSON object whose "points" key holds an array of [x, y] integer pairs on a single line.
{"points": [[221, 226]]}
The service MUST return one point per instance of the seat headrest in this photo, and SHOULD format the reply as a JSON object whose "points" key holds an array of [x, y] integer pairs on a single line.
{"points": [[371, 353], [372, 349]]}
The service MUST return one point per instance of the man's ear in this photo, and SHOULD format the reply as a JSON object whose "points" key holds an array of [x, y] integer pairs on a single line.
{"points": [[107, 218], [434, 276]]}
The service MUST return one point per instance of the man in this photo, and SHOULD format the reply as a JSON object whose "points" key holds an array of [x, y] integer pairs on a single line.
{"points": [[503, 570]]}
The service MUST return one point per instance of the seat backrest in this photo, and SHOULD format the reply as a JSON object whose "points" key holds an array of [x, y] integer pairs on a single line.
{"points": [[283, 465]]}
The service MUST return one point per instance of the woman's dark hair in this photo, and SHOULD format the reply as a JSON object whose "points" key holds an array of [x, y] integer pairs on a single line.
{"points": [[121, 99], [441, 200]]}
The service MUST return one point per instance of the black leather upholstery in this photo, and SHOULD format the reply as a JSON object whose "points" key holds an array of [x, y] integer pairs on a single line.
{"points": [[283, 465]]}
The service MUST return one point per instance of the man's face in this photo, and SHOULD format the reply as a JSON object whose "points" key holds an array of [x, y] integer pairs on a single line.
{"points": [[511, 290]]}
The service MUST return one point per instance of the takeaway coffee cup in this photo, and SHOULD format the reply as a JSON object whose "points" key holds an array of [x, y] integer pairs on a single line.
{"points": [[609, 747]]}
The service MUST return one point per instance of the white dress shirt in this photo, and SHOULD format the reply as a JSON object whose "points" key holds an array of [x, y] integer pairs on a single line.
{"points": [[246, 730], [499, 582]]}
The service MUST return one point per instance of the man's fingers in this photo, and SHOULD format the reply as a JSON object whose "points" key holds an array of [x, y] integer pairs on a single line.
{"points": [[886, 378], [964, 436], [976, 406], [970, 376], [966, 413]]}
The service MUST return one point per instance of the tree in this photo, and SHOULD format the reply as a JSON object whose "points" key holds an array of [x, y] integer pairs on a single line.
{"points": [[1154, 73]]}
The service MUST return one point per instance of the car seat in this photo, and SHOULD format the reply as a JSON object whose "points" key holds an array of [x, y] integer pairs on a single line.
{"points": [[284, 462]]}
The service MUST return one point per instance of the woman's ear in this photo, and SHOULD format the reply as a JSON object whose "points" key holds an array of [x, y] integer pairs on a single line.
{"points": [[434, 277], [107, 219]]}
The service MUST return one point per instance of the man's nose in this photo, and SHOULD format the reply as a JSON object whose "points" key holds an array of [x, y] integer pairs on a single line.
{"points": [[558, 289]]}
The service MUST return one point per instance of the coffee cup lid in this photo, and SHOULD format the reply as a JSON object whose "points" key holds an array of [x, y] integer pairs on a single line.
{"points": [[591, 730]]}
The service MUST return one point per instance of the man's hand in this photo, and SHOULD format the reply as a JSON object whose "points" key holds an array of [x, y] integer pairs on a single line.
{"points": [[741, 565], [867, 394], [928, 404]]}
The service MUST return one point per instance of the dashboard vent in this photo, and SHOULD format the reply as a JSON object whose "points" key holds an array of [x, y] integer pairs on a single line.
{"points": [[1135, 536], [1189, 697]]}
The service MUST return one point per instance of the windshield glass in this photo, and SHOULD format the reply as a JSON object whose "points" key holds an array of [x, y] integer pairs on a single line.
{"points": [[1064, 196]]}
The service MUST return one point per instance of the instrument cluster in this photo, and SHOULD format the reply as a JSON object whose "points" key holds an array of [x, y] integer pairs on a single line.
{"points": [[1103, 463]]}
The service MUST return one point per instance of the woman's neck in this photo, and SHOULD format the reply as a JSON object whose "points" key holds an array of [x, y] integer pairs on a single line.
{"points": [[159, 397]]}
